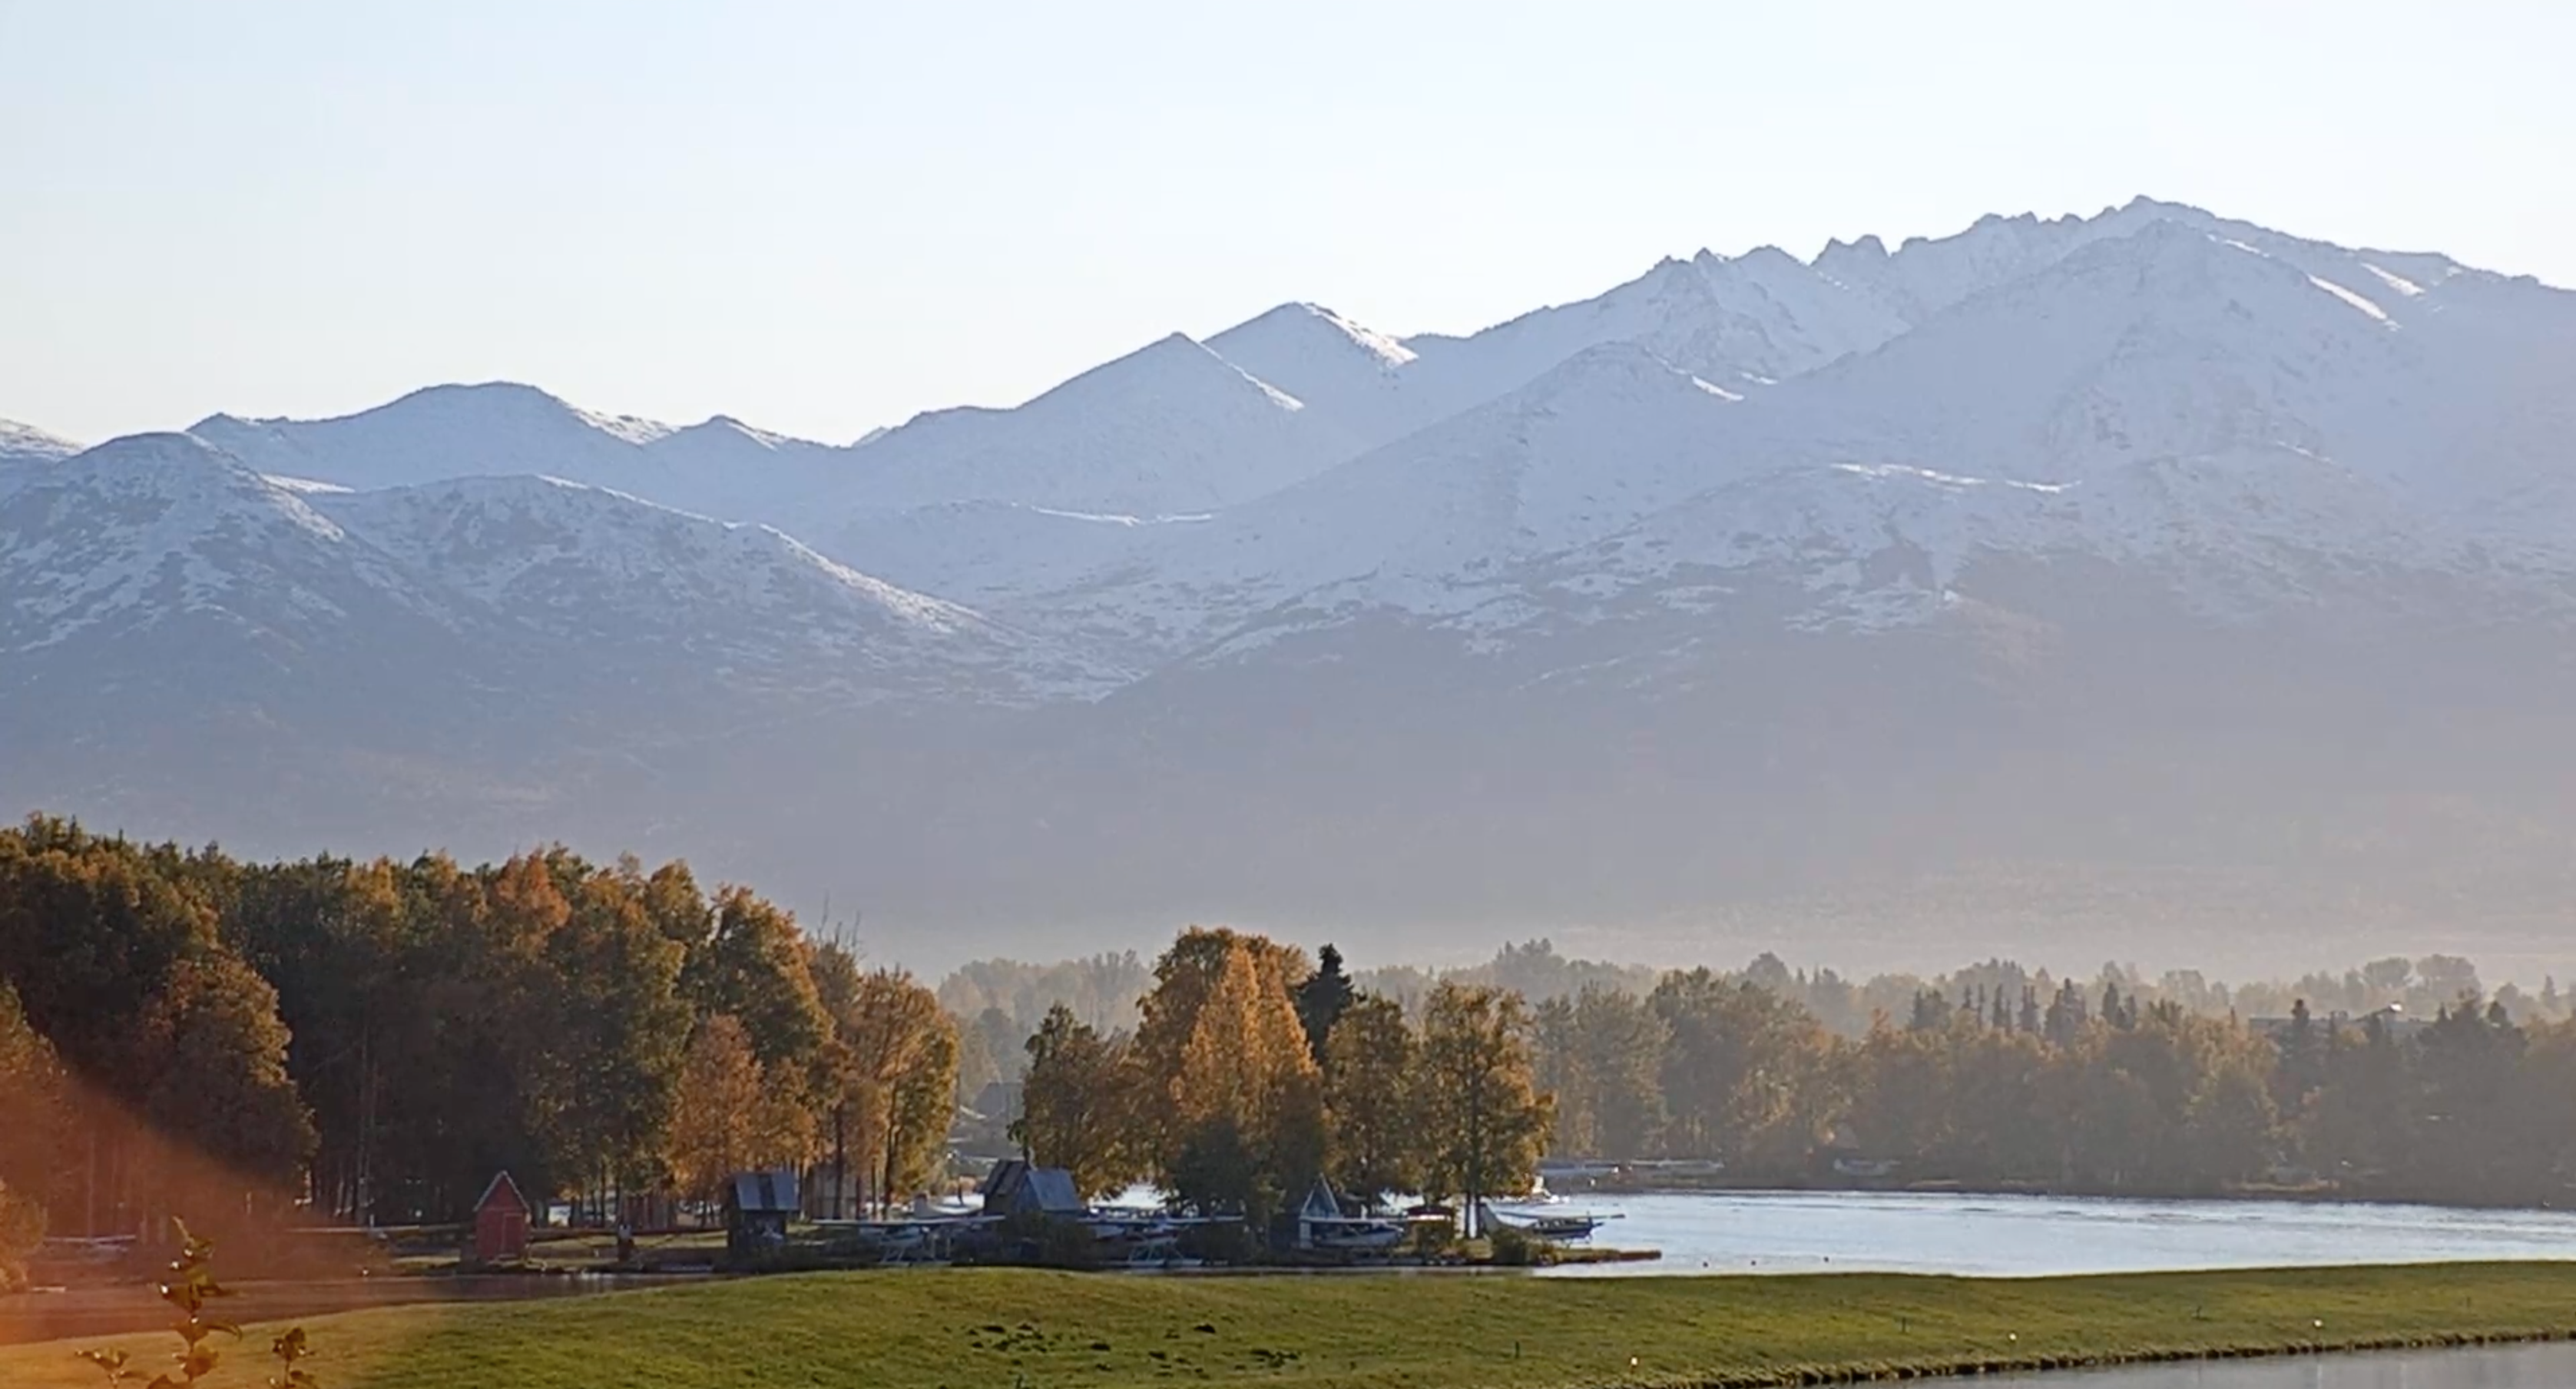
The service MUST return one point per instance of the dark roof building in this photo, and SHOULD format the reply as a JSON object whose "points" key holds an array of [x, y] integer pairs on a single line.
{"points": [[757, 1207], [1016, 1188]]}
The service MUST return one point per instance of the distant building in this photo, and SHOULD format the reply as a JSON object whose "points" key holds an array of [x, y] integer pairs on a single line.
{"points": [[1015, 1188], [501, 1222], [757, 1207]]}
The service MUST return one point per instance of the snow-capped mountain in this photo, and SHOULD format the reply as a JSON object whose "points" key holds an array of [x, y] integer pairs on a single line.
{"points": [[737, 603], [2172, 391], [557, 582], [2117, 540], [1926, 275], [157, 531], [1169, 429], [23, 443], [1355, 377], [1738, 322], [1439, 521], [443, 432]]}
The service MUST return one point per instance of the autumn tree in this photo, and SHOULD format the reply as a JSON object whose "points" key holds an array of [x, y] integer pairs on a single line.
{"points": [[756, 966], [1078, 1105], [895, 1080], [607, 1084], [1484, 1122], [1372, 1143], [718, 1132], [1188, 974], [1245, 1098], [217, 1054]]}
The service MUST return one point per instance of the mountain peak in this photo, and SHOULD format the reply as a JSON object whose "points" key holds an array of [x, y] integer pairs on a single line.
{"points": [[1160, 366], [509, 403], [727, 432], [443, 431], [2142, 203], [159, 449], [1289, 325], [1622, 370]]}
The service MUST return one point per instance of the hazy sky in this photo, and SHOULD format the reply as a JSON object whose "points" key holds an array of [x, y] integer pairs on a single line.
{"points": [[822, 217]]}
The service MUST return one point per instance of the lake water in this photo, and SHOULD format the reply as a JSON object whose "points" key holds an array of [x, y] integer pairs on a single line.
{"points": [[2031, 1236], [2485, 1367]]}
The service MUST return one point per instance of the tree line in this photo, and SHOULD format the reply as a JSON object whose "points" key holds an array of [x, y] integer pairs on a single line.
{"points": [[373, 1040], [2410, 1083], [2074, 1090]]}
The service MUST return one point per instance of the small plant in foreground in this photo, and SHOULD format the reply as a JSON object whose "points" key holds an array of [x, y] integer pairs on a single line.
{"points": [[189, 1286], [288, 1349]]}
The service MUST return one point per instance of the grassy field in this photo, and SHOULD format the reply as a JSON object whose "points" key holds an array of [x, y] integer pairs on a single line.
{"points": [[1007, 1328]]}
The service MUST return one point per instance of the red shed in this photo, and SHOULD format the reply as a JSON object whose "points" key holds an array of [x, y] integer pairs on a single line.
{"points": [[500, 1222]]}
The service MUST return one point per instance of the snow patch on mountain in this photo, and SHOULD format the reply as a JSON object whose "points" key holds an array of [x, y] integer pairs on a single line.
{"points": [[2366, 308], [303, 486]]}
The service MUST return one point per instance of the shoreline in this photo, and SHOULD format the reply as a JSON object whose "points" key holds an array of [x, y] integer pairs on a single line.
{"points": [[2254, 1196]]}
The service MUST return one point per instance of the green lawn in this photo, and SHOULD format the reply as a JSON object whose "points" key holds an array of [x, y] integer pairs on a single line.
{"points": [[966, 1327]]}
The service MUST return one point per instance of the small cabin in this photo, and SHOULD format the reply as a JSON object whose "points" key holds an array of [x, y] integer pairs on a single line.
{"points": [[501, 1223], [1016, 1188], [757, 1207]]}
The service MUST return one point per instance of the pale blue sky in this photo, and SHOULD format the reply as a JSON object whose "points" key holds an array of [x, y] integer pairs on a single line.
{"points": [[825, 216]]}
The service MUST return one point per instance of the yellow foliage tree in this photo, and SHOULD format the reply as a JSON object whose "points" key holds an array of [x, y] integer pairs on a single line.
{"points": [[1244, 1096], [1369, 1060], [1483, 1119], [894, 1073], [718, 1127]]}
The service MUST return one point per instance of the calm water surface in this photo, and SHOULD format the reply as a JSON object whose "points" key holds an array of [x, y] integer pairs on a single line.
{"points": [[2031, 1236], [2501, 1367]]}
